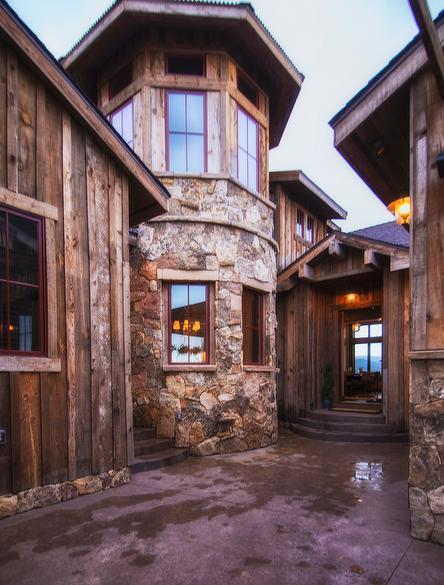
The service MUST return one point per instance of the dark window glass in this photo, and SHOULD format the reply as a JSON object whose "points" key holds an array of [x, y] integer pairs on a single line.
{"points": [[247, 89], [120, 80], [21, 284], [186, 132], [186, 65], [253, 327], [310, 229], [300, 223], [122, 121], [188, 323], [247, 147]]}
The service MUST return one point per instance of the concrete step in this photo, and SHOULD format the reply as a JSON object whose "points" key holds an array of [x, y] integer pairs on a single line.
{"points": [[349, 426], [148, 446], [158, 460], [144, 433], [348, 437], [350, 417]]}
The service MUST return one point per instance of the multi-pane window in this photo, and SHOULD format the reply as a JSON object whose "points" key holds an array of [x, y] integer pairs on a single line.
{"points": [[247, 150], [185, 65], [300, 223], [188, 324], [253, 327], [122, 120], [367, 347], [186, 132], [310, 229], [22, 295]]}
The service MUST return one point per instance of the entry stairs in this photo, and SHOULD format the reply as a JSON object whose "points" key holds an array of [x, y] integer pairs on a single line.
{"points": [[347, 425], [151, 453]]}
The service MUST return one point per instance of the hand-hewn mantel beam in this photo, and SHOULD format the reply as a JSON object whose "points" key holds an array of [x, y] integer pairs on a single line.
{"points": [[430, 38]]}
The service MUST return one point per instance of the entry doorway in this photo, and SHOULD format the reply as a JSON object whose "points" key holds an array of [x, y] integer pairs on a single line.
{"points": [[363, 356]]}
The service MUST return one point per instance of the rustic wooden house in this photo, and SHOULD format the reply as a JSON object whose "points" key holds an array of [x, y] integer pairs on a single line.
{"points": [[69, 189], [392, 133], [345, 303], [201, 91]]}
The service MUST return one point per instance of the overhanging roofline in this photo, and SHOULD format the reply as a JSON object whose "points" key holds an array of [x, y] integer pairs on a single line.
{"points": [[297, 176], [40, 59]]}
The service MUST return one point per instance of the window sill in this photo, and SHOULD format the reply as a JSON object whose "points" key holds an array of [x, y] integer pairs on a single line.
{"points": [[270, 369], [29, 364], [189, 368]]}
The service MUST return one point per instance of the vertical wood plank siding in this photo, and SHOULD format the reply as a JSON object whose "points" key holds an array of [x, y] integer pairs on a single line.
{"points": [[79, 420]]}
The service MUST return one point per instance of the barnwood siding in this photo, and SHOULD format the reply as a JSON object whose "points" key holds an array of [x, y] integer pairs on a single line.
{"points": [[311, 322], [75, 421]]}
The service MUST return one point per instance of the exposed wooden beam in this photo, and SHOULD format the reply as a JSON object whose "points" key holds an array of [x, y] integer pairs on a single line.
{"points": [[372, 259], [399, 262], [430, 38], [336, 249], [306, 272]]}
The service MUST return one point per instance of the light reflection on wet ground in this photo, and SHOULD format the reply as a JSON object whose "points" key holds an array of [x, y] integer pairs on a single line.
{"points": [[368, 471]]}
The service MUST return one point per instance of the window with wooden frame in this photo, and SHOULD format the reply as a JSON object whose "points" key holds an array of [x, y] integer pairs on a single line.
{"points": [[121, 79], [253, 327], [300, 220], [247, 89], [22, 284], [185, 65], [247, 150], [366, 347], [310, 229], [188, 323], [123, 122], [186, 132]]}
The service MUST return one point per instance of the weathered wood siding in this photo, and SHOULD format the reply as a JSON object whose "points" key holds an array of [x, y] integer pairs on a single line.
{"points": [[71, 423]]}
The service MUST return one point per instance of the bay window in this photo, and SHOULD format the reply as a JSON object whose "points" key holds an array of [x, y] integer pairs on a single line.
{"points": [[186, 132], [188, 320], [22, 289], [253, 325], [247, 150]]}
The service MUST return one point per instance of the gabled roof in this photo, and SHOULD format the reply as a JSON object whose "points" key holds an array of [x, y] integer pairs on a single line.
{"points": [[332, 247], [244, 36], [305, 192], [148, 197], [387, 233]]}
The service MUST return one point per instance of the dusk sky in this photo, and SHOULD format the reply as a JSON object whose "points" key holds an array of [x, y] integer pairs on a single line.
{"points": [[337, 44]]}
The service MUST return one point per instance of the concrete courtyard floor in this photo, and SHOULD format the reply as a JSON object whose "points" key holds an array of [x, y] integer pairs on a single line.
{"points": [[302, 512]]}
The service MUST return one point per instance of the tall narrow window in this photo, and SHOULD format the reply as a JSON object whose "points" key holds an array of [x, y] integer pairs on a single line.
{"points": [[186, 132], [310, 229], [22, 319], [247, 150], [253, 327], [367, 347], [122, 120], [300, 223], [188, 323]]}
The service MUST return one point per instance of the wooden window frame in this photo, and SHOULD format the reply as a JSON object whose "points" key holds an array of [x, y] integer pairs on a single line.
{"points": [[245, 79], [129, 65], [260, 328], [249, 117], [365, 341], [41, 287], [208, 364], [300, 214], [311, 240], [168, 56], [186, 92], [118, 109]]}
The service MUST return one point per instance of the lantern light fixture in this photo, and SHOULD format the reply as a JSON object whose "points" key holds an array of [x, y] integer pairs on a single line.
{"points": [[351, 297], [401, 210]]}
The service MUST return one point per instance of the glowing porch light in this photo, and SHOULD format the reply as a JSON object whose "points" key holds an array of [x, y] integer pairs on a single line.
{"points": [[401, 210]]}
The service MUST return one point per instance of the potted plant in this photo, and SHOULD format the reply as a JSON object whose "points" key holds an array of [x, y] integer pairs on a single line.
{"points": [[327, 386]]}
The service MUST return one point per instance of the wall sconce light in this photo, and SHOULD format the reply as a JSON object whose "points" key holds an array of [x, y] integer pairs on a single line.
{"points": [[351, 297], [356, 327], [176, 325], [401, 210]]}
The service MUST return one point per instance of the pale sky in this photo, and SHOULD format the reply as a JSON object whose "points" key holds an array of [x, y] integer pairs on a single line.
{"points": [[339, 45]]}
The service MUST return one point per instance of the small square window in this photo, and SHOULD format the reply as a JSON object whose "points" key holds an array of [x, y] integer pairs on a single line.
{"points": [[185, 65], [253, 327]]}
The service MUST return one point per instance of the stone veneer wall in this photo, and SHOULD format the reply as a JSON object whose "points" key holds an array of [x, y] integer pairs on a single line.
{"points": [[215, 225], [426, 479]]}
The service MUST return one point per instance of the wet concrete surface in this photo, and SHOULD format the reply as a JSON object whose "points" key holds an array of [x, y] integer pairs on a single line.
{"points": [[302, 512]]}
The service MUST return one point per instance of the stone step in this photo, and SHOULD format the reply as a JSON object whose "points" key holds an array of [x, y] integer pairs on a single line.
{"points": [[351, 417], [158, 460], [148, 446], [349, 426], [348, 437], [143, 433]]}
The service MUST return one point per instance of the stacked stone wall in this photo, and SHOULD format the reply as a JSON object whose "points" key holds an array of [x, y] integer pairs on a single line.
{"points": [[215, 226]]}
